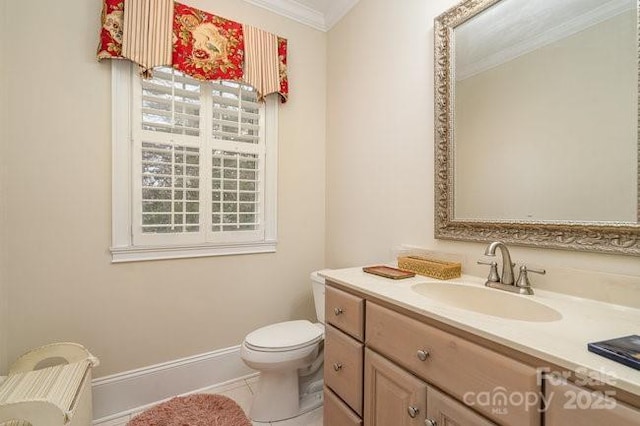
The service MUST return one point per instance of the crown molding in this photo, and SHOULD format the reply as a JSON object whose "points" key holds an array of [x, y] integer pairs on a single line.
{"points": [[337, 11], [306, 15], [579, 23], [293, 10]]}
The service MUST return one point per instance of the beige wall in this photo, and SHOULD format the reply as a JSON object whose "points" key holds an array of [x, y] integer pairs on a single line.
{"points": [[379, 161], [379, 130], [3, 248], [557, 110], [380, 146], [57, 230]]}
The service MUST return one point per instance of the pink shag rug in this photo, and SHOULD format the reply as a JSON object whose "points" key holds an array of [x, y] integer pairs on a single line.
{"points": [[193, 410]]}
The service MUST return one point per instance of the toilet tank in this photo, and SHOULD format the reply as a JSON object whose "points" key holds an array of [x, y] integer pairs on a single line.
{"points": [[317, 284]]}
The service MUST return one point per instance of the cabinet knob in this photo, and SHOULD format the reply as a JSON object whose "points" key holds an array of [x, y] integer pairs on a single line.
{"points": [[337, 366], [422, 354], [430, 422], [413, 411], [338, 311]]}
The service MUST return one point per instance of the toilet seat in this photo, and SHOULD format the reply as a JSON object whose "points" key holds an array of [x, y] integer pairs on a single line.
{"points": [[284, 336]]}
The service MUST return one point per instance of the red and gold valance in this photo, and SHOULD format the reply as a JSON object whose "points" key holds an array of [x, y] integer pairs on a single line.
{"points": [[111, 31], [206, 46], [203, 45]]}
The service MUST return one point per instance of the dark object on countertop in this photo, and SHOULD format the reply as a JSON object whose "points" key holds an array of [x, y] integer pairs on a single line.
{"points": [[625, 350], [388, 272]]}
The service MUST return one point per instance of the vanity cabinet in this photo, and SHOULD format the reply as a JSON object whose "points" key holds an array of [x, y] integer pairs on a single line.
{"points": [[469, 372], [568, 404], [343, 367], [443, 410], [345, 312], [343, 358], [395, 397], [386, 365], [336, 413], [413, 372]]}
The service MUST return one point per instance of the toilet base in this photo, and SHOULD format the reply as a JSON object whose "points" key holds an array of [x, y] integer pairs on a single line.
{"points": [[285, 395], [312, 400]]}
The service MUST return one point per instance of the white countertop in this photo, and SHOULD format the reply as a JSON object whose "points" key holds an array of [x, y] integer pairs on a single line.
{"points": [[562, 342]]}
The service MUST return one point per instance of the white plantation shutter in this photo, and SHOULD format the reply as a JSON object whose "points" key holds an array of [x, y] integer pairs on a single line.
{"points": [[170, 188], [236, 113], [237, 162], [198, 161], [171, 103], [235, 192], [167, 160], [194, 167]]}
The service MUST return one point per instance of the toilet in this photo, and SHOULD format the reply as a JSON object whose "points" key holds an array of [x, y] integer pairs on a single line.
{"points": [[289, 357]]}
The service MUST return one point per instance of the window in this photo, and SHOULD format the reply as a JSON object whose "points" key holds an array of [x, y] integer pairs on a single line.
{"points": [[194, 167]]}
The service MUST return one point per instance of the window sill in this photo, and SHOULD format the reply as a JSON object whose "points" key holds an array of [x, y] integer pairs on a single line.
{"points": [[139, 254]]}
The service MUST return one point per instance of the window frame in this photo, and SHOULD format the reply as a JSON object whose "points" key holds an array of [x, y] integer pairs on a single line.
{"points": [[124, 248]]}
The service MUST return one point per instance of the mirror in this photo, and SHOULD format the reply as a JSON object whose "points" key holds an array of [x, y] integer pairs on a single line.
{"points": [[537, 123]]}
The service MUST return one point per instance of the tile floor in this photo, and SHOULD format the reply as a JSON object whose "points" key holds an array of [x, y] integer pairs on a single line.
{"points": [[241, 391]]}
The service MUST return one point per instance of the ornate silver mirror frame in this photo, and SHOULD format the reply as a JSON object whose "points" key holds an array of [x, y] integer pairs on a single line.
{"points": [[603, 237]]}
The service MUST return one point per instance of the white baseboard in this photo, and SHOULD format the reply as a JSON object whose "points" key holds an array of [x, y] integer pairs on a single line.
{"points": [[124, 393]]}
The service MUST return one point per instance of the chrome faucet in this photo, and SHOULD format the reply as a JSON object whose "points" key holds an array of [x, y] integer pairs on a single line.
{"points": [[507, 282]]}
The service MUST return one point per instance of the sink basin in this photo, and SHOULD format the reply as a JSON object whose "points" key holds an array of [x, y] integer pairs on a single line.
{"points": [[487, 301]]}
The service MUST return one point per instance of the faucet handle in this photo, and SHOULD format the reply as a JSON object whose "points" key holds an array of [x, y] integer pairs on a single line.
{"points": [[523, 278], [493, 270]]}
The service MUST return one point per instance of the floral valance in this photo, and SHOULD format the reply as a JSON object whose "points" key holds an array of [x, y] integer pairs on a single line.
{"points": [[155, 33]]}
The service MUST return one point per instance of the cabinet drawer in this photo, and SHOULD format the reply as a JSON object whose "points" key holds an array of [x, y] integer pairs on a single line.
{"points": [[343, 362], [568, 404], [469, 372], [337, 413], [345, 311]]}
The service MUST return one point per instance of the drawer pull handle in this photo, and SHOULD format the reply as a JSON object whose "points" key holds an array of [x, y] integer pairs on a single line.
{"points": [[338, 311], [423, 354], [337, 366], [413, 411], [430, 422]]}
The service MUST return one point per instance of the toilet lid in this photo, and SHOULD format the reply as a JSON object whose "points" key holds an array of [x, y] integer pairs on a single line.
{"points": [[284, 336]]}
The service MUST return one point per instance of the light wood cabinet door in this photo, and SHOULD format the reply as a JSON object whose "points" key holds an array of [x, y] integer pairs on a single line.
{"points": [[392, 396], [343, 362], [445, 411], [568, 404], [337, 413]]}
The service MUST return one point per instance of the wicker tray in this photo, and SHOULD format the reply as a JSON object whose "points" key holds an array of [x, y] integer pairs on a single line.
{"points": [[429, 267]]}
